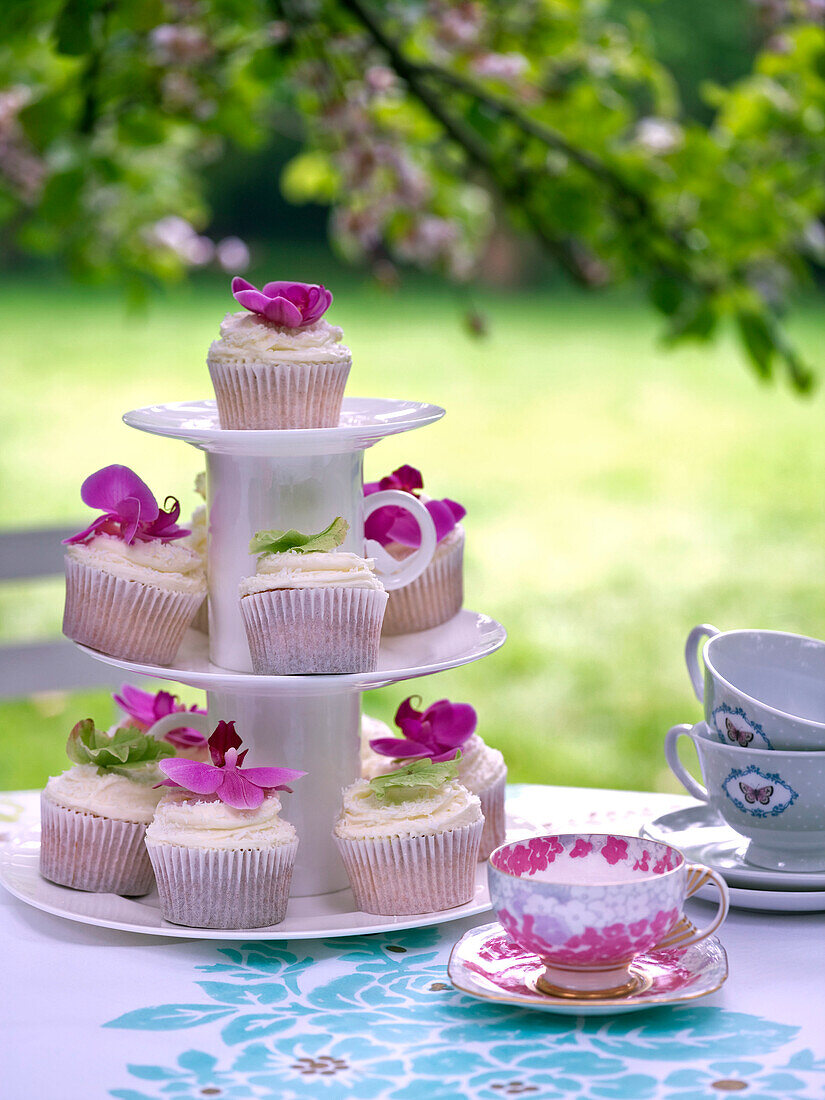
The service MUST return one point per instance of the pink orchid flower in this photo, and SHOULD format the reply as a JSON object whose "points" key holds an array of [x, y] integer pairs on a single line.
{"points": [[293, 305], [436, 732], [129, 506], [144, 708], [243, 789], [392, 524]]}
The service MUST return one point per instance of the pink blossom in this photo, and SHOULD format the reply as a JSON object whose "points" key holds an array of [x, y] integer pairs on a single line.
{"points": [[396, 525], [130, 510], [144, 708], [243, 789], [435, 733], [293, 305]]}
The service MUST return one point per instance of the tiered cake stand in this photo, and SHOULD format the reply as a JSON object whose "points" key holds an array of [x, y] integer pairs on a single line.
{"points": [[293, 478]]}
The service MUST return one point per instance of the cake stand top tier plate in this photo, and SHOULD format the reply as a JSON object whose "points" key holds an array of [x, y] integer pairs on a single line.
{"points": [[467, 637], [364, 422]]}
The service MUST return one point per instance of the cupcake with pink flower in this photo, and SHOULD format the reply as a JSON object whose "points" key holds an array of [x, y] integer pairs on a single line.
{"points": [[132, 587], [436, 733], [222, 854], [438, 593], [278, 363], [142, 709]]}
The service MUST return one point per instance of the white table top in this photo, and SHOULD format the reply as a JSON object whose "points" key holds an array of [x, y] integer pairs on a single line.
{"points": [[89, 1013]]}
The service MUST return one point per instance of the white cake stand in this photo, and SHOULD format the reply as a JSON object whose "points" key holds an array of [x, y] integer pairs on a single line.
{"points": [[301, 478]]}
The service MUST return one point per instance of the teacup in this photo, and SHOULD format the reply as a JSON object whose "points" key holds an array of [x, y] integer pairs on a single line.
{"points": [[776, 799], [762, 689], [587, 904]]}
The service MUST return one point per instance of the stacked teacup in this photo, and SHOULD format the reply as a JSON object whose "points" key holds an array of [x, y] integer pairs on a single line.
{"points": [[761, 745]]}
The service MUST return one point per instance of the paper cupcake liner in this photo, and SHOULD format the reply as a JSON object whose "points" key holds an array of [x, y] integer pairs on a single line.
{"points": [[492, 806], [430, 599], [125, 618], [260, 395], [201, 619], [298, 631], [87, 852], [215, 888], [402, 876]]}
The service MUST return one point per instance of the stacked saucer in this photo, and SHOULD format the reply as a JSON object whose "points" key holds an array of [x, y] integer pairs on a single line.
{"points": [[761, 749]]}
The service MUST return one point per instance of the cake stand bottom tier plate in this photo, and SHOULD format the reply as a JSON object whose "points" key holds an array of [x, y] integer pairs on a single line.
{"points": [[323, 916]]}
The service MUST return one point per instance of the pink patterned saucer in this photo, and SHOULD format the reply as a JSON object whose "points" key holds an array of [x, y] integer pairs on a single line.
{"points": [[487, 964]]}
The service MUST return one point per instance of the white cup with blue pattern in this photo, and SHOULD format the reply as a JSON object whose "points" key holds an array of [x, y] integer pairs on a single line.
{"points": [[761, 689], [776, 799]]}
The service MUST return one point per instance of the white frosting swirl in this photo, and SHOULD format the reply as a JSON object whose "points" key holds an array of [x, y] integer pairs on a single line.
{"points": [[199, 527], [336, 568], [251, 338], [200, 821], [365, 817], [371, 728], [166, 565], [82, 788], [480, 766]]}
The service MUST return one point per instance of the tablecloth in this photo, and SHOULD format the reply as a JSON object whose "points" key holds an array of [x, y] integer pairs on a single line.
{"points": [[90, 1013]]}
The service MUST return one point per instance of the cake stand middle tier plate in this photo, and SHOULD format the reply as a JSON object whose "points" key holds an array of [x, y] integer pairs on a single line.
{"points": [[466, 637]]}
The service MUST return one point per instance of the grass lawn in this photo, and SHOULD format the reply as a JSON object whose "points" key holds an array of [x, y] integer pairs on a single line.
{"points": [[617, 494]]}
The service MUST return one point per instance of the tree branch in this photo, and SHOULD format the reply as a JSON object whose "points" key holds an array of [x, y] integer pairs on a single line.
{"points": [[464, 136]]}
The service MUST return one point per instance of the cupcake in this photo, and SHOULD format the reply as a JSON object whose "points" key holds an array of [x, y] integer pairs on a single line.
{"points": [[94, 816], [409, 840], [436, 733], [438, 593], [222, 854], [310, 607], [197, 541], [143, 708], [279, 365], [132, 588]]}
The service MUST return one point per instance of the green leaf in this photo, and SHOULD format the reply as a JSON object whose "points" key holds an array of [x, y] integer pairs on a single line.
{"points": [[666, 294], [73, 27], [696, 319], [758, 340], [278, 542], [414, 780], [128, 751]]}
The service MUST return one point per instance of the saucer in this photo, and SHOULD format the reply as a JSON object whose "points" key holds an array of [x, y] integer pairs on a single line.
{"points": [[487, 964], [704, 837]]}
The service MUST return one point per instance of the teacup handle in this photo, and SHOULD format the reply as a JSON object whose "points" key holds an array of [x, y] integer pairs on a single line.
{"points": [[676, 765], [393, 573], [192, 719], [704, 630], [684, 934]]}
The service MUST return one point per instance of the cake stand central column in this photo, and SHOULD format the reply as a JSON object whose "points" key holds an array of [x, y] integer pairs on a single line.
{"points": [[318, 734], [249, 493]]}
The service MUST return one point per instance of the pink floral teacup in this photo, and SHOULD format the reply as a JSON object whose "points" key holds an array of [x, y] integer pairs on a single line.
{"points": [[588, 903]]}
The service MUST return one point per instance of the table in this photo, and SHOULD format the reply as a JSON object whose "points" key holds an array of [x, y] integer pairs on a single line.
{"points": [[90, 1013]]}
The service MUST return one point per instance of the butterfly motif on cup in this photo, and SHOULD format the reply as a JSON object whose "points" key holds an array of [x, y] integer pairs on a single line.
{"points": [[756, 794], [742, 737]]}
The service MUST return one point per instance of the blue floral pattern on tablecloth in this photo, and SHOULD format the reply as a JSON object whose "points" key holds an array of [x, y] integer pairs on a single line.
{"points": [[375, 1017]]}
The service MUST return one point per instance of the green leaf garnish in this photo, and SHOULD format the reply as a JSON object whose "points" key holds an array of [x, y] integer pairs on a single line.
{"points": [[278, 542], [414, 780], [128, 751]]}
